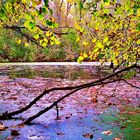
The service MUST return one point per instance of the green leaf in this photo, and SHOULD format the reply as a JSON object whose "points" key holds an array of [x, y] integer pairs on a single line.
{"points": [[107, 1], [31, 25], [100, 55], [44, 10], [55, 25], [2, 14], [129, 74], [41, 16], [51, 11], [81, 5], [46, 3], [138, 27], [49, 22]]}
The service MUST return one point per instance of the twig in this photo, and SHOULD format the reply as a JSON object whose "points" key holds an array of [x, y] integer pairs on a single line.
{"points": [[57, 109], [130, 84]]}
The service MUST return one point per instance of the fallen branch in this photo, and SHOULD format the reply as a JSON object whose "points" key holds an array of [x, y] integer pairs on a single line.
{"points": [[59, 100]]}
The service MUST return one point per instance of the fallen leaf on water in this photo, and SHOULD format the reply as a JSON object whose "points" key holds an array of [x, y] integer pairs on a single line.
{"points": [[14, 133], [108, 132], [60, 133], [132, 112], [21, 125], [94, 100], [100, 138], [136, 128], [129, 121], [13, 98], [88, 136], [116, 139], [2, 127], [67, 117], [123, 127], [9, 138]]}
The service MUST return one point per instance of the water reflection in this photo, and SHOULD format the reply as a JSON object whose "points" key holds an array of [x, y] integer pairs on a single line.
{"points": [[67, 72]]}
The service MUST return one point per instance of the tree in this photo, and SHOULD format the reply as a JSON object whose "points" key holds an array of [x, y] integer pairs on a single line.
{"points": [[31, 20], [112, 35]]}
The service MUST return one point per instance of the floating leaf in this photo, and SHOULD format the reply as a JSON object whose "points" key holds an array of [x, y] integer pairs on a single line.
{"points": [[108, 132], [60, 133], [14, 133], [88, 136], [2, 127]]}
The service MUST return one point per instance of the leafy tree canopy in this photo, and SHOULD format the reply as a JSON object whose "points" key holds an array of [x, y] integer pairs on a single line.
{"points": [[107, 30]]}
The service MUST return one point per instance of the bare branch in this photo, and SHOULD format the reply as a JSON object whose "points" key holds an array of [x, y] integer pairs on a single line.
{"points": [[59, 100], [18, 29], [130, 84]]}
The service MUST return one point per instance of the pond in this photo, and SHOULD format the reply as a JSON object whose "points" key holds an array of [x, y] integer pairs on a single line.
{"points": [[80, 118], [58, 71]]}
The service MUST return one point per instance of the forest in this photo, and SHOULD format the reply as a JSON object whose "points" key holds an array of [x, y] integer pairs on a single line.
{"points": [[70, 69]]}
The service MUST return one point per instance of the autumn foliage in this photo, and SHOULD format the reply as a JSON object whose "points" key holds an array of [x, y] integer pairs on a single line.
{"points": [[103, 30]]}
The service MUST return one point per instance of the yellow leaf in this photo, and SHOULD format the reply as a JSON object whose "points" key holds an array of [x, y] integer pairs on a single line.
{"points": [[97, 26], [77, 26], [18, 41], [52, 43], [85, 55], [99, 44], [26, 44], [70, 1], [48, 33], [85, 43], [45, 40], [23, 1], [81, 58], [26, 23], [78, 39], [36, 36], [44, 44], [57, 42], [94, 40], [115, 62], [41, 42], [105, 40], [138, 42], [52, 38]]}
